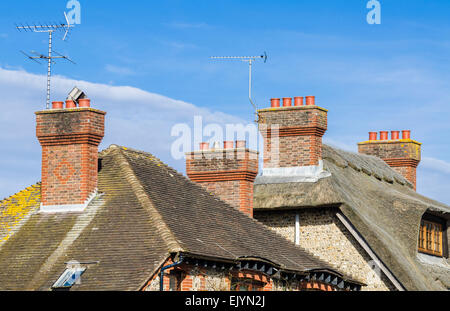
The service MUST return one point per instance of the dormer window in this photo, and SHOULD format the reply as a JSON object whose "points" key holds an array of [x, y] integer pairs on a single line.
{"points": [[432, 237]]}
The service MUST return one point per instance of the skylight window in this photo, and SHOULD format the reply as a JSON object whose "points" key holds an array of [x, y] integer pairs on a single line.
{"points": [[69, 277]]}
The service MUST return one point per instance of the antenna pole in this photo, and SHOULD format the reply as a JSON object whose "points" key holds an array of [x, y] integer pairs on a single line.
{"points": [[250, 88], [250, 60], [50, 29], [250, 83], [49, 72]]}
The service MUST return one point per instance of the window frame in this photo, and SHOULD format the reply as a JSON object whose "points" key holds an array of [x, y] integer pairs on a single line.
{"points": [[431, 238], [251, 285], [68, 278], [439, 222]]}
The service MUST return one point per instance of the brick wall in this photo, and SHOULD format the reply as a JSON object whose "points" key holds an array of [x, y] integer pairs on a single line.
{"points": [[403, 155], [228, 173], [292, 135], [322, 233], [69, 140]]}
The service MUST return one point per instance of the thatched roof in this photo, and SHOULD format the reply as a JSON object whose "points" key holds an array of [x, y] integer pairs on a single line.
{"points": [[379, 203]]}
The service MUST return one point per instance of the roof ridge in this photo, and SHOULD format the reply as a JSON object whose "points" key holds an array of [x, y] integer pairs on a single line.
{"points": [[395, 177], [168, 167], [144, 200]]}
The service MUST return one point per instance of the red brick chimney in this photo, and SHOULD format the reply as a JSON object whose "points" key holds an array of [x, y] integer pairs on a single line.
{"points": [[403, 155], [69, 138], [292, 134], [228, 172]]}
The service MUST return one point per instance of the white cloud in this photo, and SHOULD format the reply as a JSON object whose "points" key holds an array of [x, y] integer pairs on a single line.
{"points": [[339, 144], [436, 165], [182, 25], [124, 71], [181, 45], [135, 118], [433, 179]]}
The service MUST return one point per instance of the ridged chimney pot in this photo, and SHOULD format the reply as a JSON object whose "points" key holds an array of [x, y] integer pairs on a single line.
{"points": [[70, 104], [204, 146], [406, 134], [275, 103], [384, 135], [228, 145], [298, 101], [287, 102], [310, 100], [84, 103], [395, 135], [57, 105]]}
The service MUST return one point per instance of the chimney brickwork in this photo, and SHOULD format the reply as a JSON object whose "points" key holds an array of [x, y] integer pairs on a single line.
{"points": [[298, 132], [69, 140], [229, 173], [403, 155]]}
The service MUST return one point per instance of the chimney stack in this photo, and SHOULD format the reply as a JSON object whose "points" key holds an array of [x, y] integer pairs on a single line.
{"points": [[298, 140], [403, 155], [229, 173], [69, 138]]}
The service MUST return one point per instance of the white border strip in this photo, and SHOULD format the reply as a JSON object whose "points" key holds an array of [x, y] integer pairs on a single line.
{"points": [[311, 173], [67, 208]]}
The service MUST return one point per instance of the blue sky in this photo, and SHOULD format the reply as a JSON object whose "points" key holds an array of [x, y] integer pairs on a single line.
{"points": [[147, 64]]}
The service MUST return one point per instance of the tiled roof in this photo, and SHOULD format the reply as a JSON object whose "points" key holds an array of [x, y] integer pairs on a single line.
{"points": [[144, 212], [201, 224], [15, 209]]}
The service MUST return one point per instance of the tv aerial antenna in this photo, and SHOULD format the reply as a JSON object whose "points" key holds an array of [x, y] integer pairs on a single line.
{"points": [[250, 60], [49, 28]]}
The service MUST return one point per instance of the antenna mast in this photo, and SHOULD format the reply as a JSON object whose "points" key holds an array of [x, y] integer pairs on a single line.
{"points": [[250, 60], [49, 29]]}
